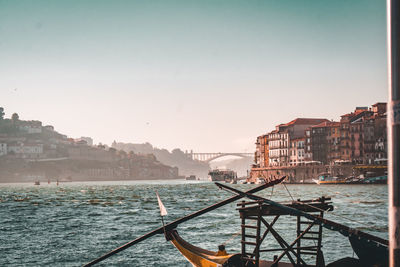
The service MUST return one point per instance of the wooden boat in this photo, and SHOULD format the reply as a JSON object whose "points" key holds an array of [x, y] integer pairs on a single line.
{"points": [[199, 257], [326, 178], [371, 250]]}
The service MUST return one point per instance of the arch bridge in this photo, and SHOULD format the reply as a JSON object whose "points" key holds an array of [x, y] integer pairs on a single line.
{"points": [[207, 157]]}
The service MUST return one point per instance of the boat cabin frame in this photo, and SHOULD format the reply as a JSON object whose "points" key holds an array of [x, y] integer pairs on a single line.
{"points": [[308, 241]]}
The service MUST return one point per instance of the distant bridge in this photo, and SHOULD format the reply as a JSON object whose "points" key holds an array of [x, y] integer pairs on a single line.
{"points": [[207, 157]]}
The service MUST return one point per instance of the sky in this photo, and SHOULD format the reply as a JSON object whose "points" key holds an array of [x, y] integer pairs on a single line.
{"points": [[207, 76]]}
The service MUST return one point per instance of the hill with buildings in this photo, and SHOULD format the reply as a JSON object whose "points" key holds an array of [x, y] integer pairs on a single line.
{"points": [[31, 151], [186, 165]]}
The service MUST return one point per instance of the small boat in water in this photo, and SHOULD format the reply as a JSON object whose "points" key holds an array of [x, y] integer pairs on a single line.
{"points": [[382, 179], [369, 178], [227, 176], [327, 178], [191, 178]]}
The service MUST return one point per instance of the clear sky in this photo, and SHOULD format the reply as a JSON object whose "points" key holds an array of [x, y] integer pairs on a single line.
{"points": [[203, 75]]}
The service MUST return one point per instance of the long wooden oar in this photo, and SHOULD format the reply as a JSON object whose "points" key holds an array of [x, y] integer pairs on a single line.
{"points": [[331, 225], [175, 223]]}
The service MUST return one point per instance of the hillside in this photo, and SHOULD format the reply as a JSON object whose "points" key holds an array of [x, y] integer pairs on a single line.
{"points": [[30, 151]]}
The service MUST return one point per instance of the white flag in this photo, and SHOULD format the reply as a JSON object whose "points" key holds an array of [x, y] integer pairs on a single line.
{"points": [[163, 210]]}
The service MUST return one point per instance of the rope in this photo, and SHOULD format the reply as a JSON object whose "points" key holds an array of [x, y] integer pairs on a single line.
{"points": [[232, 237], [288, 191], [337, 215], [301, 202]]}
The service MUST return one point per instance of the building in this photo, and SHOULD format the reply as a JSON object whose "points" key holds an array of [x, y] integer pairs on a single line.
{"points": [[305, 147], [281, 152], [333, 153], [324, 141], [30, 127], [363, 137], [265, 143], [88, 140], [278, 147], [297, 151], [3, 149], [319, 143], [25, 150]]}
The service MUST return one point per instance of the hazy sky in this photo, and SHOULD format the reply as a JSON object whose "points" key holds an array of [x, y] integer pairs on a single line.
{"points": [[203, 75]]}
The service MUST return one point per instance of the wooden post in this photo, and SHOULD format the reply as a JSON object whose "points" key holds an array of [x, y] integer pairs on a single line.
{"points": [[393, 126], [243, 234], [258, 241], [319, 251], [299, 240]]}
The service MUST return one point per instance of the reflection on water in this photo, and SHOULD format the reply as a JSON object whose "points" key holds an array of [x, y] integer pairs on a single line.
{"points": [[73, 223]]}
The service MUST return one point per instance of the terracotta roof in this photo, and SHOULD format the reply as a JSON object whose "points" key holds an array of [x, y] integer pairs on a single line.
{"points": [[303, 121], [379, 103], [327, 124]]}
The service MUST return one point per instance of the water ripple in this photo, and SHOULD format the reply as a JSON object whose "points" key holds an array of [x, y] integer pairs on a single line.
{"points": [[74, 223]]}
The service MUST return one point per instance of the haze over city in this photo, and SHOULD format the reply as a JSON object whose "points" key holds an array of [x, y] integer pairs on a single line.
{"points": [[207, 76]]}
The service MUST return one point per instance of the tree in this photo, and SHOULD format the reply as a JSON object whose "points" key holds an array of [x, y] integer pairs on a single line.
{"points": [[2, 113], [15, 117]]}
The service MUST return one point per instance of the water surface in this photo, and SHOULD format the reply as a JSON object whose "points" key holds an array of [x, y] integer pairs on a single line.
{"points": [[73, 223]]}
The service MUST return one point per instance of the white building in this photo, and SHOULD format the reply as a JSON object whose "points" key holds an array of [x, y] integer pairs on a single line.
{"points": [[278, 148], [22, 150], [297, 151]]}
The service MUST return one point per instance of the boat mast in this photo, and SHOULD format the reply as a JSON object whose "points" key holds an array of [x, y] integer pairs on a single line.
{"points": [[393, 127]]}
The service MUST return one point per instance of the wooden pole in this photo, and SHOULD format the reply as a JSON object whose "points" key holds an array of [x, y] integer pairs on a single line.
{"points": [[393, 126]]}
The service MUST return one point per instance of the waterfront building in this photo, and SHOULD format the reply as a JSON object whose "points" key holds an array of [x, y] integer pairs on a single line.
{"points": [[308, 154], [319, 142], [297, 151], [3, 149], [305, 147], [278, 147], [266, 150], [333, 154], [363, 135], [261, 156], [257, 153], [279, 140]]}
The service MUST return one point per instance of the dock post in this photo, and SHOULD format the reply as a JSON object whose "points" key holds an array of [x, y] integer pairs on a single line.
{"points": [[393, 127]]}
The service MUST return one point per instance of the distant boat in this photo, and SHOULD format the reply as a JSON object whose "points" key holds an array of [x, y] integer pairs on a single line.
{"points": [[37, 183], [375, 180], [227, 176], [327, 178], [371, 178], [191, 178], [260, 180]]}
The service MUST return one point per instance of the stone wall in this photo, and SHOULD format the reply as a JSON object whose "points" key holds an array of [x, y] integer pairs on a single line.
{"points": [[300, 174]]}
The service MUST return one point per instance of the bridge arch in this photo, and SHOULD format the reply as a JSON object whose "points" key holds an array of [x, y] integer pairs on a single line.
{"points": [[207, 157]]}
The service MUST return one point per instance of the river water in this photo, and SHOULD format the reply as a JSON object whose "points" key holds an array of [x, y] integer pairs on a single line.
{"points": [[74, 223]]}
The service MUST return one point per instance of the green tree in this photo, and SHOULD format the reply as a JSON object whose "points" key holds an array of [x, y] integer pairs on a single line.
{"points": [[2, 113], [15, 117]]}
